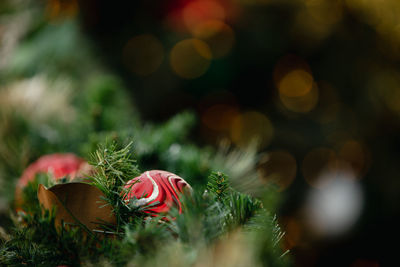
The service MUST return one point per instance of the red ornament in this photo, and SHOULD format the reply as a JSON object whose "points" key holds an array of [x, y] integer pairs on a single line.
{"points": [[160, 188], [59, 165]]}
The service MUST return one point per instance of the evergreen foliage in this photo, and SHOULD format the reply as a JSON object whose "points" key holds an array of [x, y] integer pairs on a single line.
{"points": [[207, 217], [218, 185], [30, 202], [113, 169]]}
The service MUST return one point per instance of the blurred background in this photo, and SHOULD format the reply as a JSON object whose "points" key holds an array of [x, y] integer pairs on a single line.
{"points": [[314, 83]]}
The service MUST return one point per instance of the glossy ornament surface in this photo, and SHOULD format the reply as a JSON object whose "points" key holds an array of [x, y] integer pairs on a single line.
{"points": [[160, 189]]}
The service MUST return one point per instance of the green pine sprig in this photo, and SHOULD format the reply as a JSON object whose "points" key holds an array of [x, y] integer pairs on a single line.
{"points": [[218, 185], [114, 167], [240, 207]]}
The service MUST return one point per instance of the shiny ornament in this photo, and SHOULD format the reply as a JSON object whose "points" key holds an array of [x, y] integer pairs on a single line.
{"points": [[159, 189], [58, 165]]}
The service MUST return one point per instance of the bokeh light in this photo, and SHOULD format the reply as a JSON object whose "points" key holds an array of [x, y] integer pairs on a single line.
{"points": [[317, 19], [333, 209], [278, 167], [296, 87], [190, 58], [200, 11], [143, 54], [252, 127], [381, 15], [301, 104], [218, 35], [287, 64], [296, 83]]}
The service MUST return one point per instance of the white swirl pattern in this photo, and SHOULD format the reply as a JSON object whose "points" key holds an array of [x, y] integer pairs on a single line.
{"points": [[162, 187]]}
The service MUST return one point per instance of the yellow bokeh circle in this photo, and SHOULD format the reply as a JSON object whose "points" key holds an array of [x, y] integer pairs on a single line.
{"points": [[190, 58]]}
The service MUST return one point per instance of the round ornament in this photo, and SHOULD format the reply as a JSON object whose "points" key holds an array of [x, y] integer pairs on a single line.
{"points": [[59, 165], [159, 189]]}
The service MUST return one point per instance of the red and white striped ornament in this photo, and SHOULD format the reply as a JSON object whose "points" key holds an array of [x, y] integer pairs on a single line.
{"points": [[160, 188]]}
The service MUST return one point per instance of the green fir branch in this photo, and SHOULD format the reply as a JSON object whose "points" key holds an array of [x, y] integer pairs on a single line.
{"points": [[113, 169], [218, 185]]}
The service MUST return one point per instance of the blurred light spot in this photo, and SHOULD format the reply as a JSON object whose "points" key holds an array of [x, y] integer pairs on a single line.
{"points": [[143, 54], [252, 127], [190, 58], [301, 104], [296, 83], [297, 90], [324, 11], [315, 162], [317, 19], [200, 11], [287, 64], [174, 20], [218, 35], [278, 167], [382, 16], [219, 117], [354, 153], [334, 209]]}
